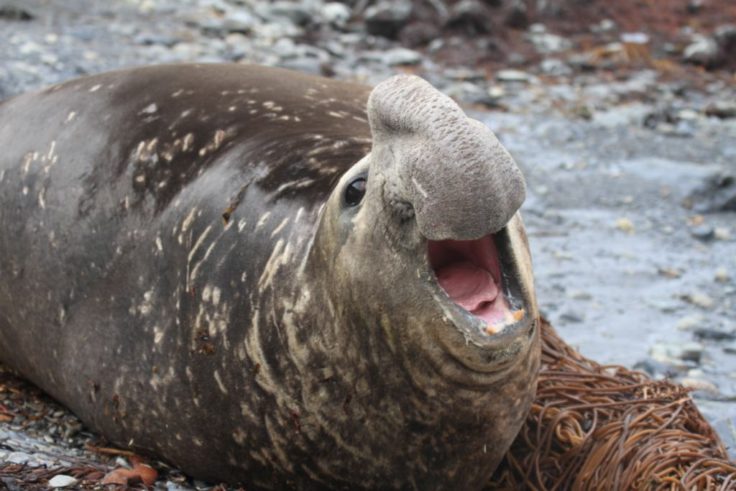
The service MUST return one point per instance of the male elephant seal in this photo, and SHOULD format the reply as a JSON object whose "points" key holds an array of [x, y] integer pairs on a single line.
{"points": [[241, 271]]}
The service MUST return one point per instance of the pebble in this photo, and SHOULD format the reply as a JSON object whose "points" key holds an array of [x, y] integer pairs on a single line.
{"points": [[722, 275], [546, 42], [571, 317], [516, 15], [555, 67], [729, 348], [401, 56], [496, 92], [702, 51], [722, 233], [725, 36], [387, 18], [62, 481], [471, 15], [712, 334], [690, 322], [18, 458], [656, 369], [699, 299], [470, 93], [699, 385], [336, 13], [672, 352], [625, 225], [671, 273], [579, 295], [296, 12], [635, 37], [721, 109], [703, 232], [14, 13], [605, 25], [511, 75]]}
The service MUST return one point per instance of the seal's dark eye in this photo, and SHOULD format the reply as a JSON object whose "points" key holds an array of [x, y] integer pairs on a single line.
{"points": [[355, 192]]}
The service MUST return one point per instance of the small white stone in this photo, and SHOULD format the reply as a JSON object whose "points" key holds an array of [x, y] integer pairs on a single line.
{"points": [[62, 481], [511, 75], [722, 275], [689, 322]]}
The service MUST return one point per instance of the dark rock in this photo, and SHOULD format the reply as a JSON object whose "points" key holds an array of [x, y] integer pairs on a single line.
{"points": [[570, 317], [694, 6], [703, 232], [725, 36], [729, 348], [714, 334], [721, 109], [294, 11], [516, 16], [239, 21], [387, 18], [12, 484], [653, 368], [470, 93], [471, 16], [150, 39], [717, 195], [419, 34], [674, 353], [13, 12]]}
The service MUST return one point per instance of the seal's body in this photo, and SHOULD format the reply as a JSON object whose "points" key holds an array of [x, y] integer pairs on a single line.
{"points": [[229, 268]]}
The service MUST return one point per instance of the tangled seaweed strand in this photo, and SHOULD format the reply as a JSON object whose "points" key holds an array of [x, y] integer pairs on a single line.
{"points": [[595, 427]]}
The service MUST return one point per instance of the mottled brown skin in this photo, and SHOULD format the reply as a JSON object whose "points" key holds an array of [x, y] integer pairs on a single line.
{"points": [[178, 267]]}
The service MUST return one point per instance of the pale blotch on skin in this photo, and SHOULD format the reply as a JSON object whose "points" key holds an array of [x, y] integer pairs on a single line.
{"points": [[195, 270], [42, 198], [158, 334], [220, 385], [280, 227], [149, 109], [262, 221], [146, 306], [194, 249], [217, 140], [95, 88], [239, 436], [188, 220], [279, 256], [188, 142]]}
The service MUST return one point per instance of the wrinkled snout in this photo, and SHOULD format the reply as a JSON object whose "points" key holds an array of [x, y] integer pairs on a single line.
{"points": [[452, 170]]}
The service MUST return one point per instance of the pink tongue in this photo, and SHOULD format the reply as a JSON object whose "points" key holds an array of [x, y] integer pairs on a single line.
{"points": [[467, 285]]}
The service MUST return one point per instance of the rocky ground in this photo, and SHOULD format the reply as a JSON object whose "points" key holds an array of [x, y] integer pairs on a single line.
{"points": [[622, 115]]}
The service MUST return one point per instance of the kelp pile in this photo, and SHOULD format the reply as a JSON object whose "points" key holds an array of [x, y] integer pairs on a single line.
{"points": [[607, 427]]}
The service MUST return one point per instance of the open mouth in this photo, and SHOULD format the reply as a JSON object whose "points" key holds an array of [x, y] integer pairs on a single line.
{"points": [[477, 279]]}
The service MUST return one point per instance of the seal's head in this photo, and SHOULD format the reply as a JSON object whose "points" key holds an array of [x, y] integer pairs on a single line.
{"points": [[426, 256]]}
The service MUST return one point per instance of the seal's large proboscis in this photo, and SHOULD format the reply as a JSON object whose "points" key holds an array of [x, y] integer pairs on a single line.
{"points": [[243, 271]]}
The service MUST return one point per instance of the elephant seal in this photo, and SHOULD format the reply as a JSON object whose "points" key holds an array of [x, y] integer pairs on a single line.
{"points": [[267, 278]]}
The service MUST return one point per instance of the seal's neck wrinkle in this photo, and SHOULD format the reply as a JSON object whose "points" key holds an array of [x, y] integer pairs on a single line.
{"points": [[453, 171]]}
